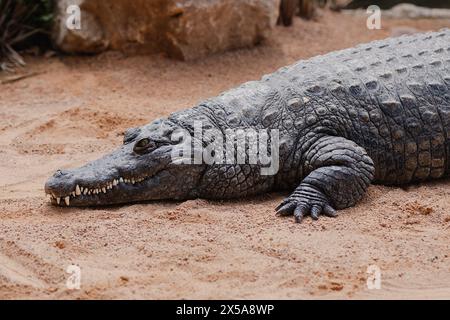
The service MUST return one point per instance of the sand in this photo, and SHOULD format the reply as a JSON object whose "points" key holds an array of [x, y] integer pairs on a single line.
{"points": [[78, 108]]}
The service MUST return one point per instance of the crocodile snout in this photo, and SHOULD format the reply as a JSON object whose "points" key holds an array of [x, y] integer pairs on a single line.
{"points": [[60, 184]]}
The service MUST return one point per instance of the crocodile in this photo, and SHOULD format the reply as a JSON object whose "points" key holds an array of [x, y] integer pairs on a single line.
{"points": [[375, 113]]}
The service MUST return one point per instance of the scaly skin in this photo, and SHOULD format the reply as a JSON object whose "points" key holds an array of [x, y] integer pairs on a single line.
{"points": [[379, 112]]}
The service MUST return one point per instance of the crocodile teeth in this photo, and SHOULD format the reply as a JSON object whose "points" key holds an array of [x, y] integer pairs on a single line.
{"points": [[80, 190]]}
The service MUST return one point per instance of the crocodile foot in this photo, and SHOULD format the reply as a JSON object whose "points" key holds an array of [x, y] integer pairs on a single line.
{"points": [[306, 200]]}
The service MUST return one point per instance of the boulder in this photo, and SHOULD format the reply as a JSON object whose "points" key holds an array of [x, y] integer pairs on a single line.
{"points": [[410, 11], [184, 29], [388, 4], [406, 11]]}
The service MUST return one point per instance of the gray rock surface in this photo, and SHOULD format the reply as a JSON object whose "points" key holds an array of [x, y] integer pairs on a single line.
{"points": [[406, 11]]}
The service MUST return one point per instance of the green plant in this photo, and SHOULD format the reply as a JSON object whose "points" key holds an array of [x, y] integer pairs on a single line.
{"points": [[21, 21]]}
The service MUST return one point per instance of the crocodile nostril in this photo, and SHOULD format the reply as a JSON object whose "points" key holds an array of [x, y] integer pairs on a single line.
{"points": [[59, 173]]}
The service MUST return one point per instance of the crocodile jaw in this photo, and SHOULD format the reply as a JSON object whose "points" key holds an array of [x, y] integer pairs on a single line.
{"points": [[121, 177]]}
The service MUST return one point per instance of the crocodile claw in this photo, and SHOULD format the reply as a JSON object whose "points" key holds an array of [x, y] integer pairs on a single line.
{"points": [[302, 206]]}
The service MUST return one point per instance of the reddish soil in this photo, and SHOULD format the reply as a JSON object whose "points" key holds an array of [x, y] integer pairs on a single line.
{"points": [[77, 109]]}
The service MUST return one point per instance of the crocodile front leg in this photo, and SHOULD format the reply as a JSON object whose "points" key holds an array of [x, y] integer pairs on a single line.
{"points": [[340, 172]]}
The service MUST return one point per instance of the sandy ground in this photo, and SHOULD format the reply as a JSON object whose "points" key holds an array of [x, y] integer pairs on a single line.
{"points": [[78, 108]]}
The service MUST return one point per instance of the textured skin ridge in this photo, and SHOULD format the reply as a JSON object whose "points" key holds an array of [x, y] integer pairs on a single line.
{"points": [[390, 97]]}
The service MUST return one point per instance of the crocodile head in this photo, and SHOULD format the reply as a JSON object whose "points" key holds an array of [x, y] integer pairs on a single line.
{"points": [[143, 168]]}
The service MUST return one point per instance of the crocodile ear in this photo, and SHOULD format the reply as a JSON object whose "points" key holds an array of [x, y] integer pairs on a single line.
{"points": [[130, 135]]}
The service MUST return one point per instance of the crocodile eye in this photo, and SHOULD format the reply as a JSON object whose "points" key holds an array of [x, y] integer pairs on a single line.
{"points": [[143, 145]]}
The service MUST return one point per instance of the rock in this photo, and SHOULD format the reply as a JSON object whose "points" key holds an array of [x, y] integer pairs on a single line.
{"points": [[202, 27], [410, 11], [388, 4], [184, 29], [90, 38], [405, 11]]}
